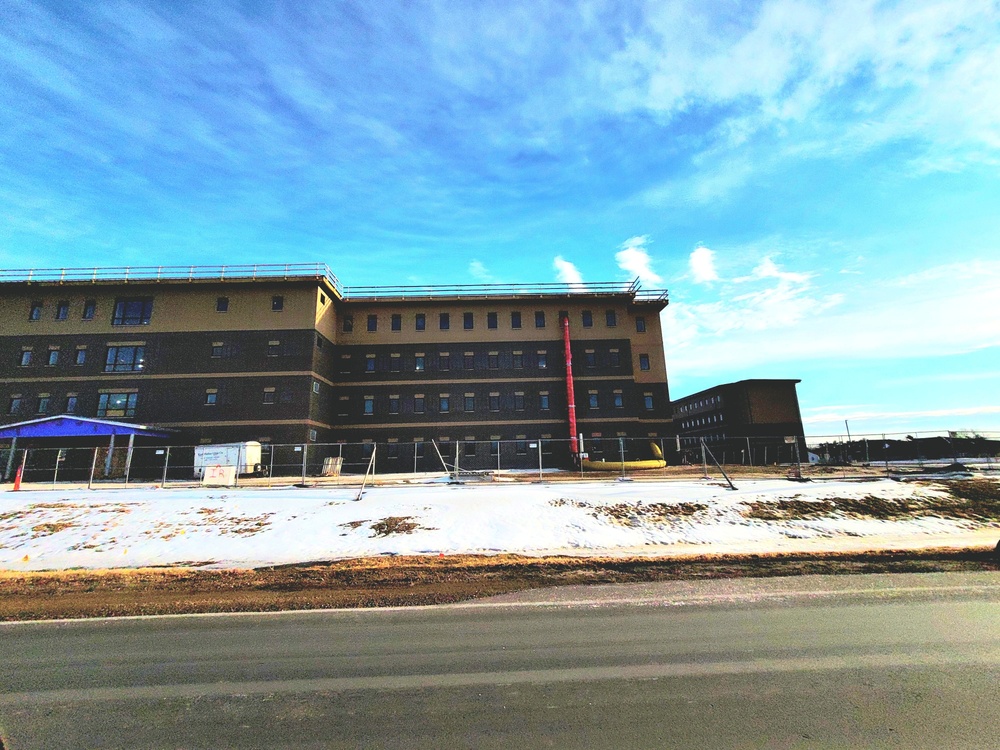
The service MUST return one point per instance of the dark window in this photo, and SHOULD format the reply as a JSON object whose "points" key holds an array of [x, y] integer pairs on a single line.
{"points": [[521, 447], [444, 404], [469, 362], [53, 357], [614, 359], [491, 320], [421, 321], [81, 356], [222, 304], [117, 404], [395, 363], [269, 396], [71, 402], [418, 363], [588, 319], [592, 400], [217, 350], [25, 358], [273, 348], [418, 404], [591, 359], [619, 401], [396, 322], [467, 321], [640, 325], [543, 401], [211, 398], [372, 323], [62, 310], [35, 313], [394, 404], [132, 312], [470, 403], [315, 386], [444, 320], [611, 318], [393, 451], [348, 324], [519, 402], [494, 402], [494, 447], [543, 361], [370, 364], [539, 319], [470, 448], [369, 406], [14, 405], [277, 303], [517, 360], [418, 449], [493, 361], [444, 362], [287, 396], [643, 361], [515, 319], [43, 404], [647, 402], [125, 359], [89, 309], [319, 341]]}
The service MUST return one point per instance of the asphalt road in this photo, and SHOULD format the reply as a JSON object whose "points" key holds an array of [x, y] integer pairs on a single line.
{"points": [[846, 661]]}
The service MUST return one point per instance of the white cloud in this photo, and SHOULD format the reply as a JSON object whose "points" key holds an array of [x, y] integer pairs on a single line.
{"points": [[702, 265], [566, 272], [633, 258], [480, 272]]}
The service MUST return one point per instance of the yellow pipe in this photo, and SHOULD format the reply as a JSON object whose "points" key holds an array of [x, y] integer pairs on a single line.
{"points": [[654, 463]]}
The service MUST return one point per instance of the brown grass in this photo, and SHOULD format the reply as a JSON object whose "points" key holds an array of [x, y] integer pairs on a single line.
{"points": [[636, 514], [394, 525]]}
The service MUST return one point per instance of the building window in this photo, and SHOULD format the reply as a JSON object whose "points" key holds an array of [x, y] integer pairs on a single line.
{"points": [[313, 435], [491, 320], [418, 404], [396, 322], [217, 350], [394, 404], [521, 447], [444, 403], [43, 404], [81, 356], [117, 404], [132, 311], [494, 402], [592, 400], [286, 396], [421, 322], [62, 310], [444, 362], [539, 319], [369, 405], [493, 360], [543, 360], [494, 448], [517, 360], [370, 363], [469, 448], [125, 359], [348, 324], [35, 313], [268, 396], [470, 402], [640, 325], [418, 363], [26, 358], [543, 401], [319, 341], [222, 304], [372, 323], [519, 401], [53, 357], [614, 358], [315, 386], [418, 448], [89, 309], [611, 318], [619, 401], [467, 322], [14, 405], [444, 321], [277, 303], [588, 319], [71, 402], [395, 363], [591, 358], [469, 361], [393, 450], [515, 319], [211, 398], [647, 401], [643, 361], [273, 348]]}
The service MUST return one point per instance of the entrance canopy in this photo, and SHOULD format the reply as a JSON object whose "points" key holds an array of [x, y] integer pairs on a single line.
{"points": [[67, 426]]}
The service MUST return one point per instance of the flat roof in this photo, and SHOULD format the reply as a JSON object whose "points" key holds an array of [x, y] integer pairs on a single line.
{"points": [[748, 381]]}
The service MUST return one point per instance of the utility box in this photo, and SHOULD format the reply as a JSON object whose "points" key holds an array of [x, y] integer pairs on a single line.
{"points": [[244, 458]]}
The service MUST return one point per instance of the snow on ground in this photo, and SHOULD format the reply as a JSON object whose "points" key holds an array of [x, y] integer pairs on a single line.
{"points": [[115, 528]]}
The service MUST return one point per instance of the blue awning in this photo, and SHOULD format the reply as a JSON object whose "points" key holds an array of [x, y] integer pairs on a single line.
{"points": [[67, 426]]}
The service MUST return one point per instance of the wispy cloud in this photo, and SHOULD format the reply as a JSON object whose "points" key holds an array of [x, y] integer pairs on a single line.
{"points": [[566, 272], [634, 260], [479, 271], [702, 265]]}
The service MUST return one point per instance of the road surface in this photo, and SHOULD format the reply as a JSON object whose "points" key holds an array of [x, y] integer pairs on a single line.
{"points": [[905, 661]]}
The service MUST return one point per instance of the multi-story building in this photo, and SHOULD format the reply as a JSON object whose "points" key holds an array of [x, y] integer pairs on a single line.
{"points": [[285, 354], [748, 419]]}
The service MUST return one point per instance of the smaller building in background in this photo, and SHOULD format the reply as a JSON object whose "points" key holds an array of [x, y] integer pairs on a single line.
{"points": [[744, 422]]}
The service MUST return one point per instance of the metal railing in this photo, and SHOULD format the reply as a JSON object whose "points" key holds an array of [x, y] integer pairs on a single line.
{"points": [[473, 291]]}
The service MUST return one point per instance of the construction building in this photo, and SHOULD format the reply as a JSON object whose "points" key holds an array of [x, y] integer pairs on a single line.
{"points": [[285, 354]]}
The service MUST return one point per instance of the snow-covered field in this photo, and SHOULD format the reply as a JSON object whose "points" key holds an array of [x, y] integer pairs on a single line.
{"points": [[253, 527]]}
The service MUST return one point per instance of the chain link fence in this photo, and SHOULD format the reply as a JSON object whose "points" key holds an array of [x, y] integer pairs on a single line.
{"points": [[607, 458]]}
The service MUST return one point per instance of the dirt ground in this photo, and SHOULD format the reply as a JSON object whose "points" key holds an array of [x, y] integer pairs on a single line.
{"points": [[407, 581]]}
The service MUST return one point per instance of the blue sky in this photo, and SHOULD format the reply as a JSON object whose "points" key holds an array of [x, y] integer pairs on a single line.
{"points": [[817, 184]]}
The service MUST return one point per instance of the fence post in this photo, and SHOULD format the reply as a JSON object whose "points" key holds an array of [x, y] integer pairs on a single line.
{"points": [[749, 452], [166, 462], [621, 452], [704, 460], [305, 454], [270, 467], [539, 459], [20, 470], [93, 466], [239, 465], [55, 471]]}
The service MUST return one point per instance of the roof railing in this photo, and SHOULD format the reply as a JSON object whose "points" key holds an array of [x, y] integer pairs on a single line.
{"points": [[471, 291]]}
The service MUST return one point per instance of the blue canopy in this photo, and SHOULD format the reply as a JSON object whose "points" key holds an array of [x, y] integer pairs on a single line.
{"points": [[67, 426]]}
